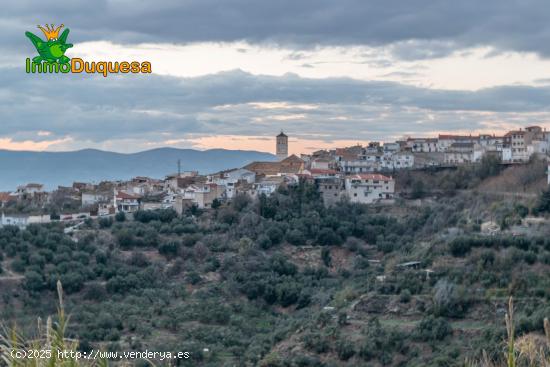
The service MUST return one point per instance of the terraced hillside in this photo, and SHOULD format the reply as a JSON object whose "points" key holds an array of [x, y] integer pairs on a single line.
{"points": [[284, 281]]}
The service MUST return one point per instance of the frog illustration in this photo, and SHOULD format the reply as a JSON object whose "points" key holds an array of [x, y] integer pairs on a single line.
{"points": [[53, 49]]}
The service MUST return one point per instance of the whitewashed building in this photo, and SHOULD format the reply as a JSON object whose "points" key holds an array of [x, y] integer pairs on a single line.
{"points": [[369, 188], [459, 153], [229, 180]]}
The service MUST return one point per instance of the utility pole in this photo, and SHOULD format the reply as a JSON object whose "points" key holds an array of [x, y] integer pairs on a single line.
{"points": [[179, 168]]}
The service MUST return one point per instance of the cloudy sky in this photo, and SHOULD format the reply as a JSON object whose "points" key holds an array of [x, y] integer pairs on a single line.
{"points": [[233, 73]]}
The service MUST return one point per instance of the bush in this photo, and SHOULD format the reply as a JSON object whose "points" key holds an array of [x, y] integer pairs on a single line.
{"points": [[381, 343], [193, 277], [264, 241], [460, 246], [275, 234], [105, 222], [325, 256], [240, 201], [433, 329], [121, 284], [327, 237], [418, 190], [316, 342], [94, 292], [344, 349], [126, 239], [405, 296], [34, 281], [449, 300], [120, 217], [543, 205], [296, 237], [353, 244], [72, 281], [169, 249]]}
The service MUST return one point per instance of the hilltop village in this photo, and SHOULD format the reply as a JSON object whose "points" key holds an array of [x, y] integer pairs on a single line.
{"points": [[361, 174]]}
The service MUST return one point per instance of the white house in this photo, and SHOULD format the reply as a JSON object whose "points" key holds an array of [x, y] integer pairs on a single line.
{"points": [[422, 145], [125, 202], [399, 160], [14, 220], [506, 153], [203, 195], [321, 163], [229, 180], [444, 142], [369, 188], [391, 147], [31, 189], [459, 153], [518, 140], [539, 146], [266, 186], [92, 198]]}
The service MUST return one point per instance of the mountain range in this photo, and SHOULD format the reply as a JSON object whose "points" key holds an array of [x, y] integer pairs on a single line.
{"points": [[91, 165]]}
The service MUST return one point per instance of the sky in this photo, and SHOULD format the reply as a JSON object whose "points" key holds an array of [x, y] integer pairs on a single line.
{"points": [[234, 73]]}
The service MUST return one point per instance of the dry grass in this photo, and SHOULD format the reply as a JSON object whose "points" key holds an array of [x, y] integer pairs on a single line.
{"points": [[526, 351], [48, 346]]}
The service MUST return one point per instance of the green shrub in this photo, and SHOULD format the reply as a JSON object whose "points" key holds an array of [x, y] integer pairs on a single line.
{"points": [[433, 329], [120, 217]]}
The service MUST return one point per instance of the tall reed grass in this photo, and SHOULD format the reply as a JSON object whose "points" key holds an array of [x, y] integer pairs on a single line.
{"points": [[49, 348], [529, 350]]}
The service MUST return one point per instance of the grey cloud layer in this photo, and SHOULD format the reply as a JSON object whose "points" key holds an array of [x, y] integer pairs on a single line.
{"points": [[435, 27], [151, 107]]}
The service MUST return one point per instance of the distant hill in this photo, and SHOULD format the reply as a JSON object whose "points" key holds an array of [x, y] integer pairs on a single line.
{"points": [[62, 168]]}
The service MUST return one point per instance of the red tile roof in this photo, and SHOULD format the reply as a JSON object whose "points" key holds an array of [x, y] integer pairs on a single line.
{"points": [[456, 137], [516, 132], [125, 196], [5, 197]]}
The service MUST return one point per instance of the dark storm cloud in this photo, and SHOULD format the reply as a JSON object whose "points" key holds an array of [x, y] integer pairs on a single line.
{"points": [[435, 27], [156, 107]]}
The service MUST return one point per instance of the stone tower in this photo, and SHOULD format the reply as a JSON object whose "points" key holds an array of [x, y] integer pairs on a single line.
{"points": [[282, 146]]}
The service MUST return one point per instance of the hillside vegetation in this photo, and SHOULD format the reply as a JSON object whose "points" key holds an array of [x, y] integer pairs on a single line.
{"points": [[284, 281]]}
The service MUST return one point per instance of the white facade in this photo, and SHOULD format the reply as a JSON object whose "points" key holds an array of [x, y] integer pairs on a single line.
{"points": [[391, 147], [229, 180], [506, 154], [14, 220], [203, 195], [422, 145], [125, 202], [397, 161], [357, 166], [369, 188], [92, 198], [320, 163], [456, 157], [30, 189], [539, 146]]}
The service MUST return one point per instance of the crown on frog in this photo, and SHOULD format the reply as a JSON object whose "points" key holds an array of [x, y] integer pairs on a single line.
{"points": [[51, 32]]}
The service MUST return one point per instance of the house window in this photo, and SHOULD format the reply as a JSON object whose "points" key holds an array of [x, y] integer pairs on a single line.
{"points": [[354, 194]]}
